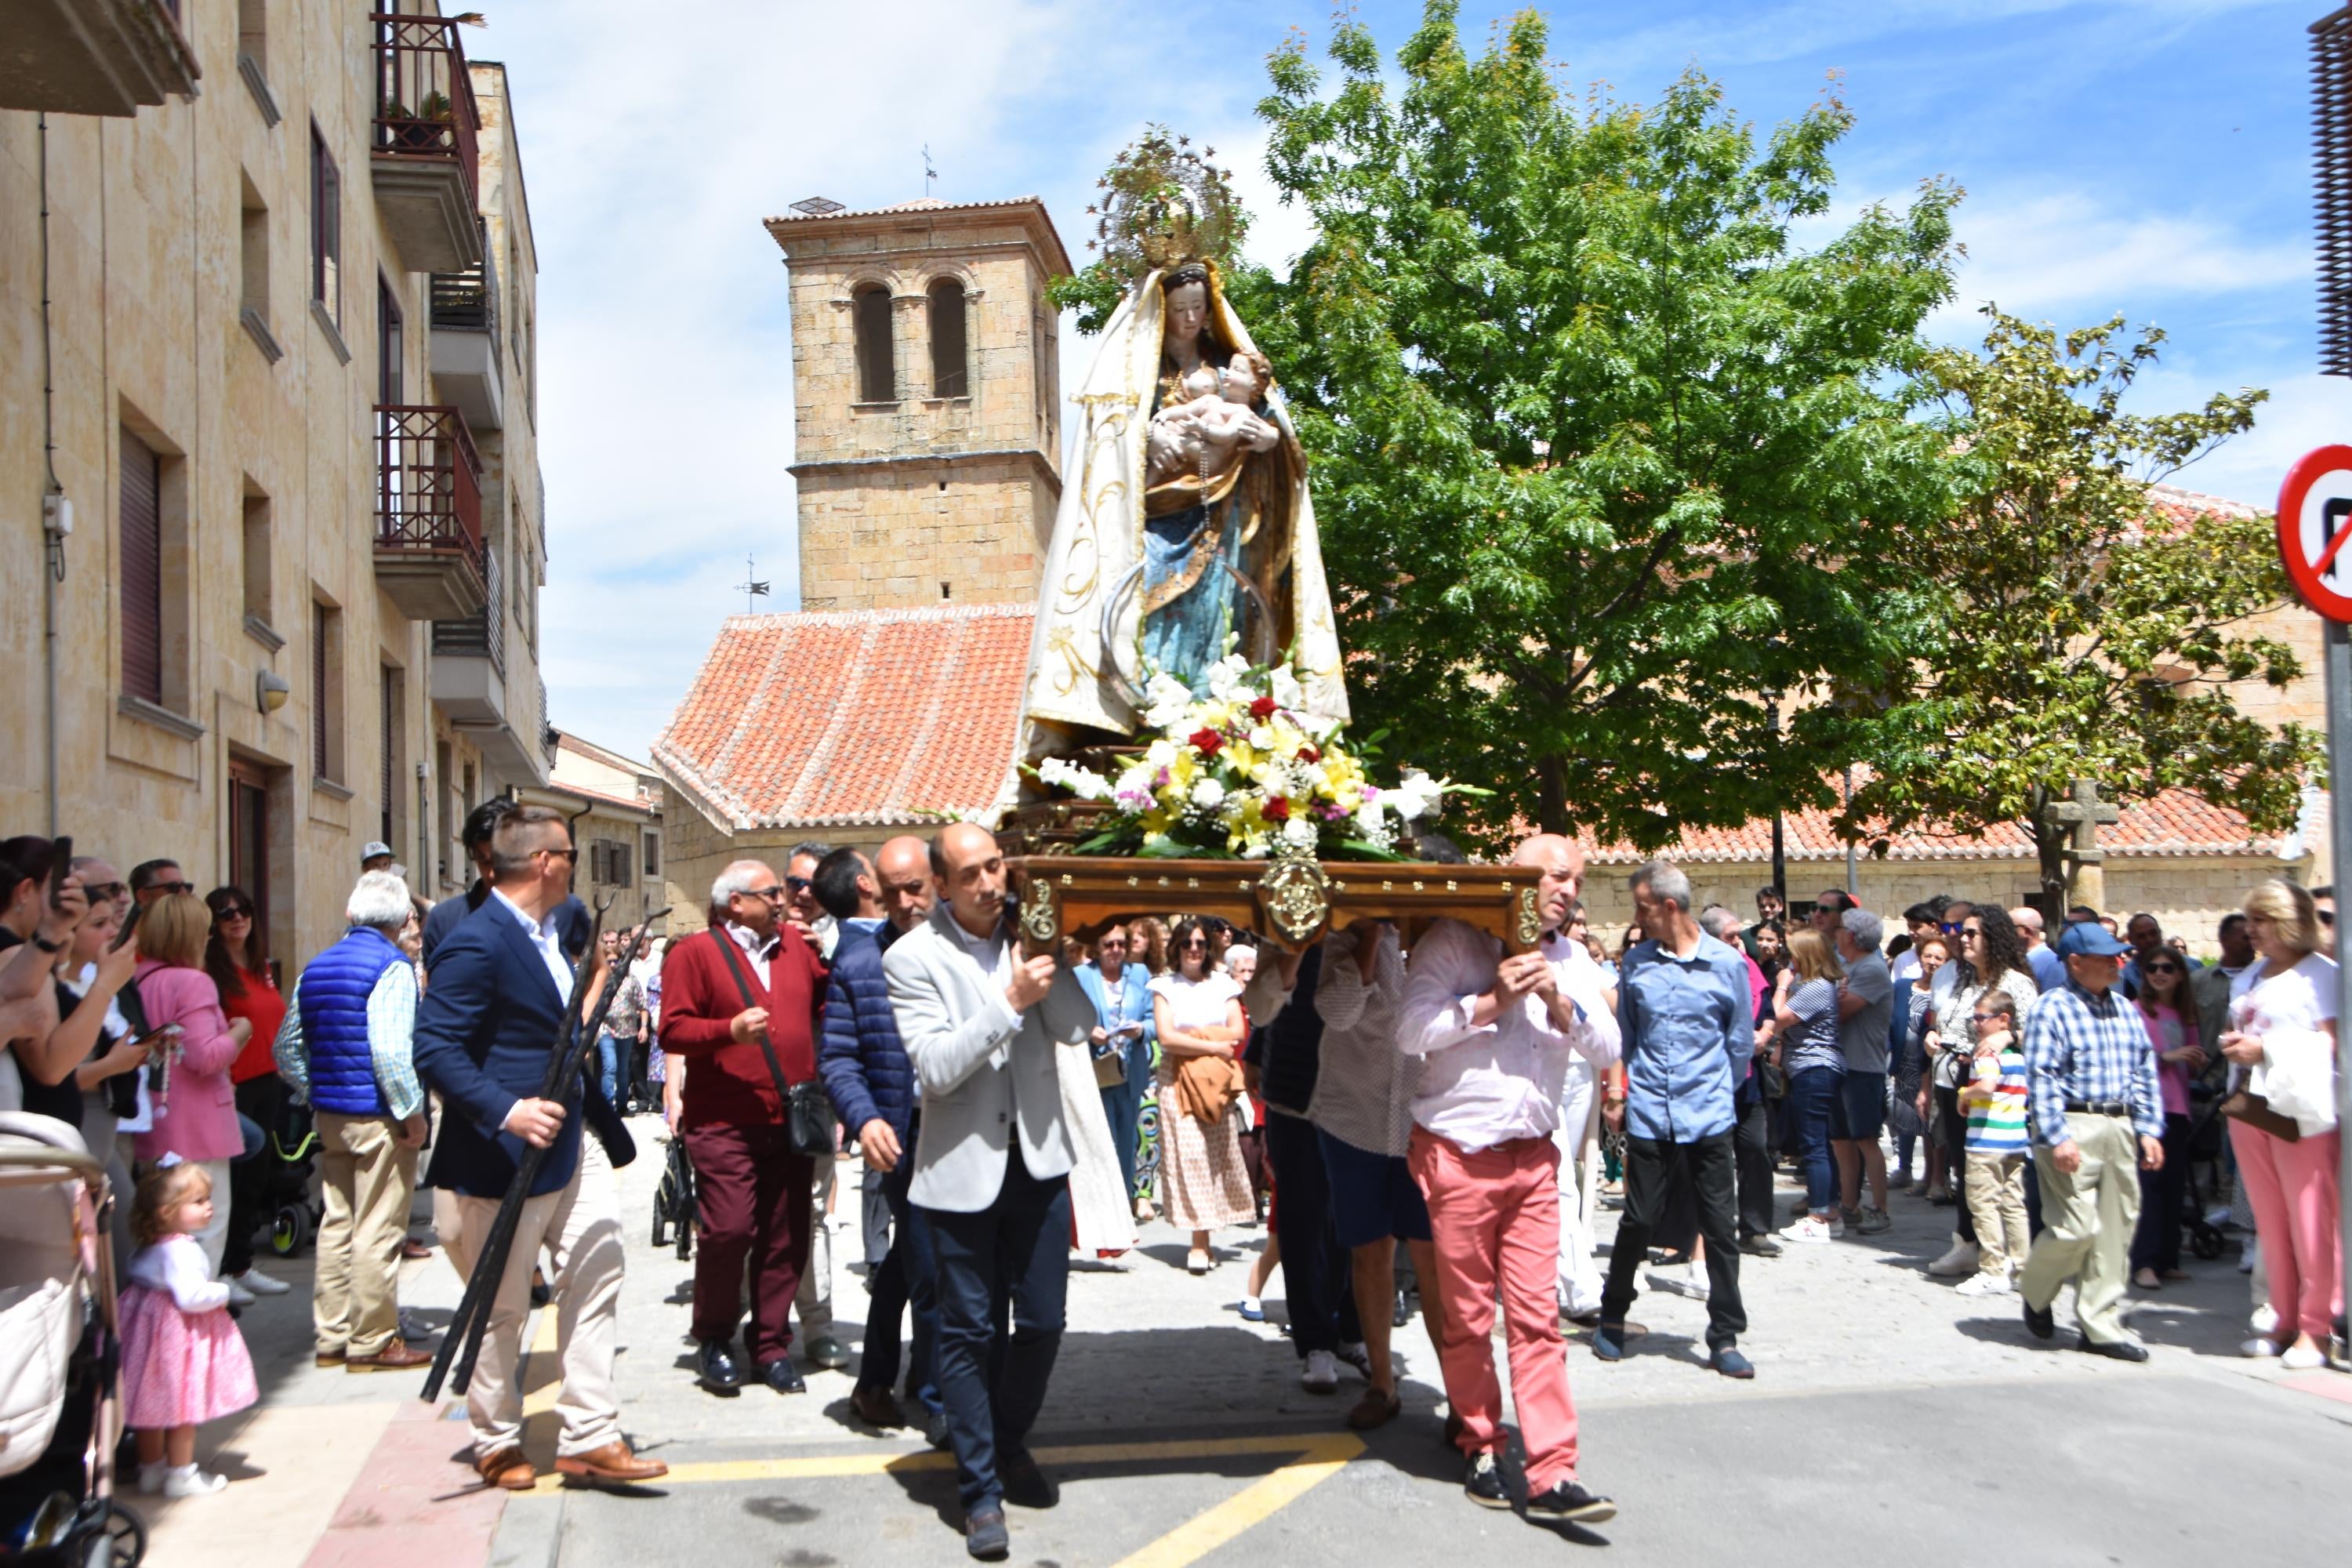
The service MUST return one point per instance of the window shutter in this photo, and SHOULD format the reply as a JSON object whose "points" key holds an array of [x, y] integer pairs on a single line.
{"points": [[620, 863], [142, 569], [877, 373], [317, 692]]}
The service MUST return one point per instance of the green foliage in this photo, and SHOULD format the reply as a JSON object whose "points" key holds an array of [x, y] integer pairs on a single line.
{"points": [[2081, 632], [1599, 451]]}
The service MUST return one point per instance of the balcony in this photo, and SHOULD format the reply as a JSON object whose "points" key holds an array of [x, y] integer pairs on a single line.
{"points": [[428, 522], [94, 57], [423, 159], [467, 367]]}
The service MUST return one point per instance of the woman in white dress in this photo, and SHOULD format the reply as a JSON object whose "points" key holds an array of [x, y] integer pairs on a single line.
{"points": [[1198, 1012], [1099, 1210]]}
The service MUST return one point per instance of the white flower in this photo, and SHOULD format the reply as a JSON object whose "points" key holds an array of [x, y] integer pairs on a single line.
{"points": [[1208, 794], [1226, 678], [1167, 700], [1299, 833], [1412, 799], [1371, 824], [1287, 689], [1261, 738]]}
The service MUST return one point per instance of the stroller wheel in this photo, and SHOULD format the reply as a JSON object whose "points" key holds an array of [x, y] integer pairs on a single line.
{"points": [[122, 1544], [685, 1241], [288, 1229], [2205, 1241], [661, 1227]]}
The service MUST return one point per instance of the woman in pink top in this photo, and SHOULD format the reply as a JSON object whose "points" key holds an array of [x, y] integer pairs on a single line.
{"points": [[2171, 1014], [196, 1114]]}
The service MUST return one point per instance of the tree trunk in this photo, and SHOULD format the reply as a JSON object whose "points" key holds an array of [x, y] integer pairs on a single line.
{"points": [[1551, 795], [2048, 852]]}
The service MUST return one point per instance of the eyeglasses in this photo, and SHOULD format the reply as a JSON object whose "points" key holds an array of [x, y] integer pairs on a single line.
{"points": [[771, 892], [1196, 945], [1990, 1018], [571, 855], [168, 888], [104, 892], [798, 884], [2164, 969], [235, 913], [2327, 917], [1949, 929]]}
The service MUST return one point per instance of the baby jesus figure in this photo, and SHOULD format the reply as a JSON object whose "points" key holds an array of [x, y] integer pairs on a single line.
{"points": [[1205, 433]]}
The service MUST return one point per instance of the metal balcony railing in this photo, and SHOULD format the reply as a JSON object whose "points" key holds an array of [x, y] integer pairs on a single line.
{"points": [[424, 98], [468, 300], [482, 635], [428, 483]]}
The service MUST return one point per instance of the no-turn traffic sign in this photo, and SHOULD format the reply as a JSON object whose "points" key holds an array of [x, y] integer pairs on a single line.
{"points": [[2315, 530]]}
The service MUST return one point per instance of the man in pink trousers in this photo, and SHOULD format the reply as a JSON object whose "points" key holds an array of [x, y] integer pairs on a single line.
{"points": [[1495, 1033]]}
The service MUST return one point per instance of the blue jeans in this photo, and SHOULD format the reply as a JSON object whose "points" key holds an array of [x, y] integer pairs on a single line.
{"points": [[1016, 1255], [1123, 1108], [609, 1056], [904, 1281], [1811, 1091]]}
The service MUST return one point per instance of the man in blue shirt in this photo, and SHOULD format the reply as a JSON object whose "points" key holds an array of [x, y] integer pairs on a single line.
{"points": [[1689, 1028]]}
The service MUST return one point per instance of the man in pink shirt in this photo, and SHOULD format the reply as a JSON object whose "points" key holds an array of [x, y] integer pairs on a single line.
{"points": [[1495, 1034]]}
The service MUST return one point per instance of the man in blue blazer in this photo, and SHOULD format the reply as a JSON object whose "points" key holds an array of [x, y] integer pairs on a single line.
{"points": [[1124, 1033], [486, 1033], [873, 1087]]}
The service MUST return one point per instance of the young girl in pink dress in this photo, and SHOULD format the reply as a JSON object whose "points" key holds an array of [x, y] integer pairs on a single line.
{"points": [[184, 1363]]}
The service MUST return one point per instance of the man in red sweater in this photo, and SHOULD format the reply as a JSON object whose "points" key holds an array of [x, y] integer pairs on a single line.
{"points": [[742, 1003]]}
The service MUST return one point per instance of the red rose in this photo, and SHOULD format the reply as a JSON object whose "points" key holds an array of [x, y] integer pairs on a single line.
{"points": [[1276, 810], [1261, 709], [1309, 754], [1208, 742]]}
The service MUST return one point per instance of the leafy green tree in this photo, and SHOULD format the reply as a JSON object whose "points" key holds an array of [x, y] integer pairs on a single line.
{"points": [[2082, 631], [1599, 451]]}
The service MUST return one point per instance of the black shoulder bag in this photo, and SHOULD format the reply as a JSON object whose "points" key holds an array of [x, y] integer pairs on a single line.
{"points": [[809, 1116]]}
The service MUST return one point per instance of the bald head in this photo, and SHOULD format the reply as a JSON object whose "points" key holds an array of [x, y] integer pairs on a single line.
{"points": [[1559, 863], [748, 893], [903, 867], [2028, 922], [970, 870]]}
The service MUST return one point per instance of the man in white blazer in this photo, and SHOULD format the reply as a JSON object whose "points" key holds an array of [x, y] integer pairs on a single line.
{"points": [[980, 1024]]}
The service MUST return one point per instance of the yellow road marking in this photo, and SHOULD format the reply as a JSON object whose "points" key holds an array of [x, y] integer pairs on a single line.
{"points": [[1319, 1457]]}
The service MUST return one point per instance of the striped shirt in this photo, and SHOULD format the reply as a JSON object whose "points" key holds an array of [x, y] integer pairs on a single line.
{"points": [[392, 1031], [1997, 1105], [2086, 1047]]}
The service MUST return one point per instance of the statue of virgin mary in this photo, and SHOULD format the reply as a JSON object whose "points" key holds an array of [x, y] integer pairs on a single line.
{"points": [[1189, 530]]}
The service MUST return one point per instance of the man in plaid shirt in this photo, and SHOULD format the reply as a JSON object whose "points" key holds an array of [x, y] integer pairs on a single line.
{"points": [[2091, 1085]]}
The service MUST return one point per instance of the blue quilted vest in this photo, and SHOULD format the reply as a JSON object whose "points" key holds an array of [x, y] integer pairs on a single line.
{"points": [[333, 997]]}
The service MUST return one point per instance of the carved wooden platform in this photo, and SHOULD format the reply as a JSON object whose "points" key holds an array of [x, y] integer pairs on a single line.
{"points": [[1295, 901]]}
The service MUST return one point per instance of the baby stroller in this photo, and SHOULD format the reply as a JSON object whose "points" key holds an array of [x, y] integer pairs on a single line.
{"points": [[674, 1201], [2202, 1192], [287, 1154], [61, 1411]]}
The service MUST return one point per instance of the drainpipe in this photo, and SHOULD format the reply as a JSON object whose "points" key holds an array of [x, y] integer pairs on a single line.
{"points": [[57, 512]]}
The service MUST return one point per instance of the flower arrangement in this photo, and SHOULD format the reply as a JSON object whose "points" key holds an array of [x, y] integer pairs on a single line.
{"points": [[1244, 773]]}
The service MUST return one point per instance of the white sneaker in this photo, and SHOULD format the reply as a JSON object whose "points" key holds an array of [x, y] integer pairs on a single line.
{"points": [[1837, 1226], [151, 1477], [1808, 1229], [2265, 1321], [2259, 1348], [1685, 1281], [1322, 1373], [238, 1296], [1961, 1259], [190, 1481], [2303, 1357], [260, 1284], [1983, 1284]]}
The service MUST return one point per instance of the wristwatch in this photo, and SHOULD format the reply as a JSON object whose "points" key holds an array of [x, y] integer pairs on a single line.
{"points": [[46, 945]]}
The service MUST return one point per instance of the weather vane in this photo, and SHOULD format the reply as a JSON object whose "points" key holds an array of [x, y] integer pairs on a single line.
{"points": [[930, 176], [751, 587]]}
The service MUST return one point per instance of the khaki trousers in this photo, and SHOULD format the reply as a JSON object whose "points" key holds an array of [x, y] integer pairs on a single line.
{"points": [[579, 1226], [1996, 1185], [814, 1299], [2086, 1225], [366, 1180]]}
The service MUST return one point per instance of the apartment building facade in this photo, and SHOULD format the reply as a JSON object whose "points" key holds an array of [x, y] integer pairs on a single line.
{"points": [[274, 523]]}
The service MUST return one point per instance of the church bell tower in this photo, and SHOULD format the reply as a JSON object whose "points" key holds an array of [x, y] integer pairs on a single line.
{"points": [[926, 391]]}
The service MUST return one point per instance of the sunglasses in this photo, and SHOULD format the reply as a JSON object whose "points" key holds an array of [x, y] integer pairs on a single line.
{"points": [[1196, 945], [104, 892], [235, 913], [798, 884], [169, 887], [2164, 969], [1990, 1018], [1949, 929], [2327, 917], [771, 892]]}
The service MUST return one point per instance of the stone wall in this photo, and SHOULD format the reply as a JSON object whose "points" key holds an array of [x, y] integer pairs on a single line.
{"points": [[696, 849], [924, 531]]}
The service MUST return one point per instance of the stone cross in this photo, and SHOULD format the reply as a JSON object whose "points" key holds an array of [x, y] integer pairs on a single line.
{"points": [[2083, 812]]}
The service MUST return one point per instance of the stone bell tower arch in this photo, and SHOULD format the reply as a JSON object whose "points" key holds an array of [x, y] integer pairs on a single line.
{"points": [[926, 394]]}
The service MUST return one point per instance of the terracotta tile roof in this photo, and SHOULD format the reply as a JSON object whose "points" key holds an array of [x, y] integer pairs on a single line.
{"points": [[2175, 822], [919, 204], [852, 718]]}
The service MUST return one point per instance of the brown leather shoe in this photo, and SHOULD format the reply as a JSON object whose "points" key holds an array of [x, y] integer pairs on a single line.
{"points": [[397, 1355], [875, 1407], [1374, 1409], [611, 1464], [326, 1358], [506, 1469]]}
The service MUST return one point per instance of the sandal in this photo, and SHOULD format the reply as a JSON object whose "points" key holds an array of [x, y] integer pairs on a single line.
{"points": [[1374, 1409]]}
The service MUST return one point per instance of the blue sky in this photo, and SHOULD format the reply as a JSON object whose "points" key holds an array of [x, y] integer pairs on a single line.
{"points": [[2148, 158]]}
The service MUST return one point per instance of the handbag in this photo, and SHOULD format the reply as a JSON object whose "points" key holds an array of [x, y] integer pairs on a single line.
{"points": [[810, 1121], [2252, 1109], [1773, 1077]]}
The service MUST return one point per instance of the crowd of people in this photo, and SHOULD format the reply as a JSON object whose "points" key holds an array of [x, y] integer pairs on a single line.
{"points": [[1013, 1109]]}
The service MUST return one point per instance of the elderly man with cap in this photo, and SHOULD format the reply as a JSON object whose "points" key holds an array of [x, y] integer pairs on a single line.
{"points": [[2095, 1124]]}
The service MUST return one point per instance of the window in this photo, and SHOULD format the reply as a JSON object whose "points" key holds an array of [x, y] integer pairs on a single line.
{"points": [[326, 230], [253, 235], [877, 377], [390, 706], [142, 569], [951, 376], [256, 555], [252, 31], [652, 855], [391, 348], [608, 862], [327, 692]]}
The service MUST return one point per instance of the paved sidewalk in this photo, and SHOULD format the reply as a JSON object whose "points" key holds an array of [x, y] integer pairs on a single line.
{"points": [[1184, 1437]]}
